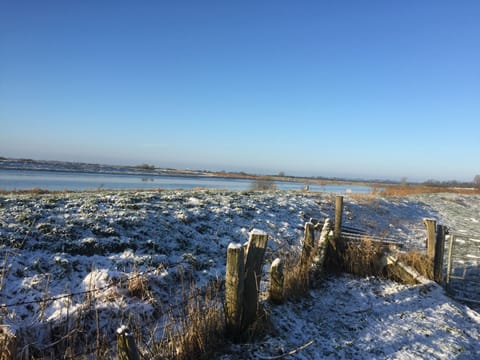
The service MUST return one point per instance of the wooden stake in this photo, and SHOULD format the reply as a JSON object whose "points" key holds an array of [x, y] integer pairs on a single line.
{"points": [[127, 349], [275, 293], [439, 252], [308, 245], [257, 244], [431, 226], [338, 217], [234, 289]]}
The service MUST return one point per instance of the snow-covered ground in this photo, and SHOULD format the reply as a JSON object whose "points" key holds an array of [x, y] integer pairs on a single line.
{"points": [[56, 245]]}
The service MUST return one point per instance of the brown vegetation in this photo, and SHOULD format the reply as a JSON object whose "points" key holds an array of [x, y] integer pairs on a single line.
{"points": [[402, 190], [419, 261], [364, 257], [194, 330], [296, 279]]}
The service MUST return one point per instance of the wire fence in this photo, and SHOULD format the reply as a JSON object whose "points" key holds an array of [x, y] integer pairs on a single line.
{"points": [[93, 290], [178, 301]]}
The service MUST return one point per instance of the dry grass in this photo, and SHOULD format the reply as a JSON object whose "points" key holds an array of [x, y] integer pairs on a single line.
{"points": [[194, 330], [138, 286], [419, 261], [363, 258], [7, 343], [296, 279], [402, 190]]}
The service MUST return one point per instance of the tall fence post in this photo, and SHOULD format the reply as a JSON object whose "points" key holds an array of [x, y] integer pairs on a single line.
{"points": [[257, 244], [275, 292], [127, 349], [431, 227], [234, 289], [338, 217], [439, 253]]}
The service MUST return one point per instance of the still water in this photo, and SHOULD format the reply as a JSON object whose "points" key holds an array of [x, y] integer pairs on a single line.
{"points": [[58, 180]]}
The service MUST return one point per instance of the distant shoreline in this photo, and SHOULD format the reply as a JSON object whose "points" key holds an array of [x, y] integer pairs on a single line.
{"points": [[90, 168]]}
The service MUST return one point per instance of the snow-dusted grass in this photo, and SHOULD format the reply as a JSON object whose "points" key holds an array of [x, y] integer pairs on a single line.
{"points": [[368, 318], [123, 256]]}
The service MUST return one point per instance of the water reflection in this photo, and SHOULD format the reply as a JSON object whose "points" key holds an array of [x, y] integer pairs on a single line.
{"points": [[49, 180]]}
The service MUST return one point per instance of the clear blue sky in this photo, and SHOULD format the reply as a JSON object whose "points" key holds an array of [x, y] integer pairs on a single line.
{"points": [[360, 88]]}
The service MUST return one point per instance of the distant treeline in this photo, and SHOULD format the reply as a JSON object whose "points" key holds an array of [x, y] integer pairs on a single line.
{"points": [[452, 183]]}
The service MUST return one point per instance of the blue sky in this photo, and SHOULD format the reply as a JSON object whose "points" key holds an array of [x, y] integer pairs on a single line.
{"points": [[371, 89]]}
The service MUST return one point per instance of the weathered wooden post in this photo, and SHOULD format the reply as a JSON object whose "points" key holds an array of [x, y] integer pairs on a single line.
{"points": [[439, 252], [275, 292], [431, 226], [321, 251], [257, 244], [338, 217], [234, 289], [323, 242], [127, 349], [308, 245]]}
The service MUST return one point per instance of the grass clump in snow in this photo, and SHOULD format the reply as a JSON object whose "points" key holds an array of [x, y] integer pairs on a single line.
{"points": [[296, 279], [138, 286], [193, 330], [419, 261], [364, 258]]}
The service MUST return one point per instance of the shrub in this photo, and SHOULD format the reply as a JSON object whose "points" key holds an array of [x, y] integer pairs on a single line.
{"points": [[263, 183]]}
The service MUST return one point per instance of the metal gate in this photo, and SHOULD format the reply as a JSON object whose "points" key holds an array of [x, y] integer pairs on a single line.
{"points": [[463, 267]]}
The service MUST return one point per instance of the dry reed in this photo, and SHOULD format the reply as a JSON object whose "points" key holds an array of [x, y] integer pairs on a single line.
{"points": [[363, 258], [419, 261], [194, 330]]}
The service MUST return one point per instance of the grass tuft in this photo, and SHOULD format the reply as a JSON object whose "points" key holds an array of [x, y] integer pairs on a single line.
{"points": [[194, 330], [419, 261], [363, 258]]}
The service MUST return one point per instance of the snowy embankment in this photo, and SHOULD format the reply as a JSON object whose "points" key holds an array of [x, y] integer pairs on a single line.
{"points": [[90, 244]]}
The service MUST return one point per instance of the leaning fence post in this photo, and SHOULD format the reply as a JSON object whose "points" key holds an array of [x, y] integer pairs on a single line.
{"points": [[257, 244], [275, 292], [234, 289], [338, 217], [439, 252], [127, 349], [431, 226]]}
